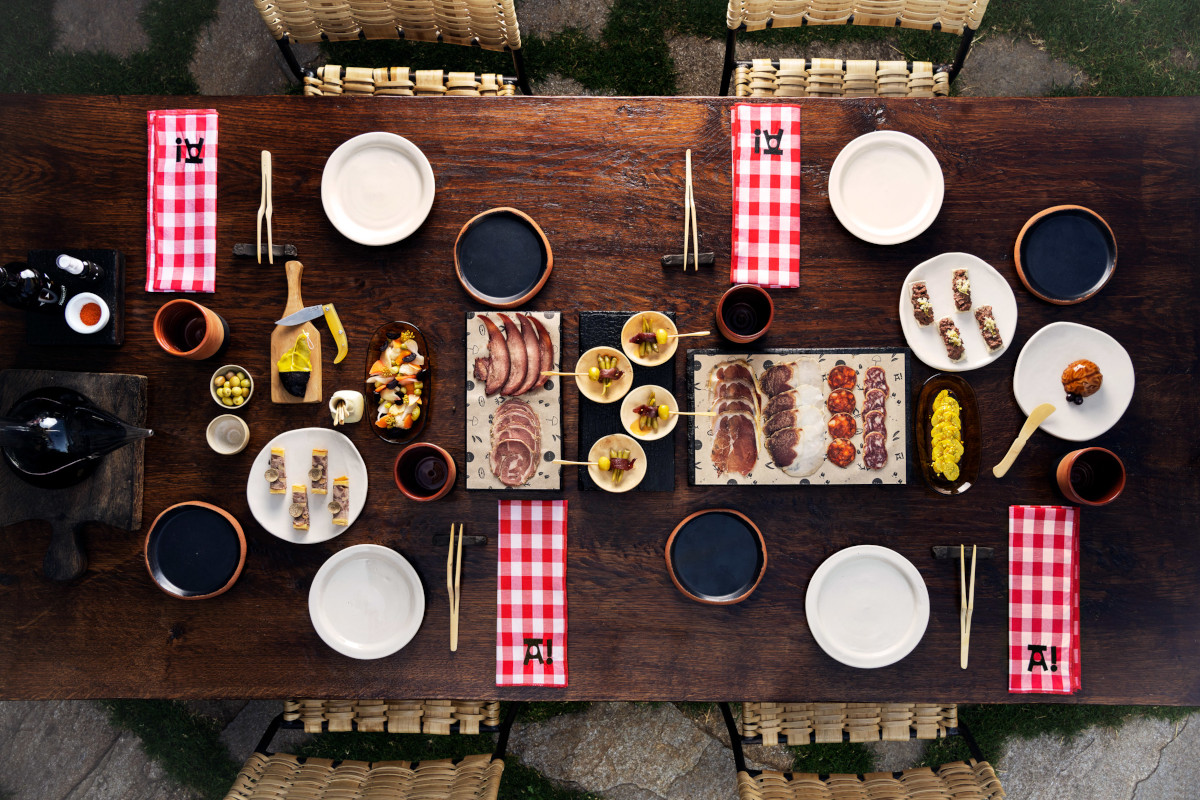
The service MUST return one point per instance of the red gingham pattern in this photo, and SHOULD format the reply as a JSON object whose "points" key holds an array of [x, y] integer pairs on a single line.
{"points": [[181, 207], [531, 589], [766, 197], [1043, 598]]}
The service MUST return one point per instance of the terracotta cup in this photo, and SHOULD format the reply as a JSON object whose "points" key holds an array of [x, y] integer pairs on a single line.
{"points": [[424, 472], [744, 313], [1092, 476], [187, 329]]}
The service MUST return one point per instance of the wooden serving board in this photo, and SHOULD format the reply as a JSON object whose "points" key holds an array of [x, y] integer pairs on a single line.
{"points": [[283, 338], [112, 495], [597, 420], [895, 363]]}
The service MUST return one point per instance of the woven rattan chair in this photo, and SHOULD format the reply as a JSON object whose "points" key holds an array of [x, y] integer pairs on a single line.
{"points": [[831, 77], [279, 776], [973, 780], [821, 723], [490, 24]]}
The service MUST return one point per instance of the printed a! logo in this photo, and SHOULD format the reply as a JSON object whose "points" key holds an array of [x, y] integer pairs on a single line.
{"points": [[533, 651], [194, 151], [771, 142]]}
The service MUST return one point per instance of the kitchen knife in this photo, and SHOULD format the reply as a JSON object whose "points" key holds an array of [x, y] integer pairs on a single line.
{"points": [[331, 318]]}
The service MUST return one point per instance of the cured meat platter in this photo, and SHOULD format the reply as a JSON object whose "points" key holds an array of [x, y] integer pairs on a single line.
{"points": [[792, 416], [514, 414]]}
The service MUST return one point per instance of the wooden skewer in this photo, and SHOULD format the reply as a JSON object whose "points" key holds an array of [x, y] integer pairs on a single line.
{"points": [[691, 212], [696, 413], [681, 335], [454, 584], [265, 210], [552, 372], [576, 463], [968, 601], [687, 216]]}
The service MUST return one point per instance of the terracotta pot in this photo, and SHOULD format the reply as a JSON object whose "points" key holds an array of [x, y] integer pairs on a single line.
{"points": [[744, 303], [1092, 476], [179, 324], [178, 553], [702, 572], [410, 465]]}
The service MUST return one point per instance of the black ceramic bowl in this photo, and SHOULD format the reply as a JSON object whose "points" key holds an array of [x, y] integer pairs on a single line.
{"points": [[1065, 254], [502, 258], [716, 556], [195, 550]]}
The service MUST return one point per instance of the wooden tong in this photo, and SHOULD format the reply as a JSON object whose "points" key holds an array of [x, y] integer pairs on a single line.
{"points": [[689, 218], [968, 603], [454, 583], [265, 209]]}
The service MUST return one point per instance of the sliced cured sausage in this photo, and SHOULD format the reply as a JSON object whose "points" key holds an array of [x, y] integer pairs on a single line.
{"points": [[841, 452], [806, 395], [797, 452], [875, 454], [790, 375], [874, 400], [840, 401], [875, 422], [842, 377], [513, 462], [875, 378], [842, 426]]}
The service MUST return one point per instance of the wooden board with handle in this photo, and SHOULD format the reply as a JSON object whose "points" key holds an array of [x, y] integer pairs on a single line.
{"points": [[283, 338]]}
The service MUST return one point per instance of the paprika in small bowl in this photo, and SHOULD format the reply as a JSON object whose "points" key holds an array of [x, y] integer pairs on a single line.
{"points": [[87, 313]]}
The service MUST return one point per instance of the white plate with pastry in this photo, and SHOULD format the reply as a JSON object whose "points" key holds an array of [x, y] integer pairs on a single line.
{"points": [[274, 494], [867, 606], [1038, 378], [366, 601], [941, 299]]}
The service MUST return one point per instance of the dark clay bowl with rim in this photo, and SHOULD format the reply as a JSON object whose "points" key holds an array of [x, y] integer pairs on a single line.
{"points": [[716, 556], [502, 257], [195, 550]]}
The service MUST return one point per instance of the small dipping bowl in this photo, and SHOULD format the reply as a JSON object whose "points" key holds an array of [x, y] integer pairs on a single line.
{"points": [[594, 390], [1092, 476], [630, 480], [195, 550], [744, 313], [74, 310], [228, 434], [1065, 254], [234, 368], [424, 472], [716, 557], [502, 258], [633, 326], [641, 396]]}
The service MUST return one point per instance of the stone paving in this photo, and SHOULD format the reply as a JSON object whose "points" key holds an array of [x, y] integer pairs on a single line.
{"points": [[624, 751]]}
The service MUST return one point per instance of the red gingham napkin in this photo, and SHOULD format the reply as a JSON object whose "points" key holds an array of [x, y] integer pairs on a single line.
{"points": [[1043, 599], [531, 603], [766, 195], [181, 207]]}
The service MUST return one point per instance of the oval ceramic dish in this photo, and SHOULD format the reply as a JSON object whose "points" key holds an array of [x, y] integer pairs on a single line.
{"points": [[641, 396], [716, 557], [972, 433], [886, 187], [617, 441], [1065, 254], [633, 326], [383, 335], [502, 257], [195, 550], [377, 188], [593, 390]]}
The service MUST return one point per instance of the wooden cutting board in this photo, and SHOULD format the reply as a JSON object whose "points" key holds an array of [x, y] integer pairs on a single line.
{"points": [[112, 495], [283, 338]]}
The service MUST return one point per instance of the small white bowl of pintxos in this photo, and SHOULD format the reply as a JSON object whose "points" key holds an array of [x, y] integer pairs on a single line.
{"points": [[650, 338], [617, 463], [649, 413], [603, 374]]}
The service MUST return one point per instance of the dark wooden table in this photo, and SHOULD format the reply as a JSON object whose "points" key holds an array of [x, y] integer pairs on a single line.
{"points": [[604, 178]]}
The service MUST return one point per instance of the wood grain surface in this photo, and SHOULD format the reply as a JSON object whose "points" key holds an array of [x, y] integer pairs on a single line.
{"points": [[603, 178]]}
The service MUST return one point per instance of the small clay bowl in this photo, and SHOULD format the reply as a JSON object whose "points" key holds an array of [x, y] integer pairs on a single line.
{"points": [[424, 472], [745, 313], [633, 326], [630, 480], [502, 258], [641, 396], [716, 556], [1091, 476], [594, 390], [212, 386], [1065, 254], [195, 550]]}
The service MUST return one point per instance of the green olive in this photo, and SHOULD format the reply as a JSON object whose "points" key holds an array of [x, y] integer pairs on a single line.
{"points": [[416, 413], [219, 381], [660, 335], [594, 373], [226, 401], [604, 463], [242, 377], [228, 375], [237, 401], [664, 411]]}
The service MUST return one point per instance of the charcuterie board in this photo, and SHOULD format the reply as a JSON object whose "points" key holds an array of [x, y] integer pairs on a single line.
{"points": [[796, 416], [514, 415]]}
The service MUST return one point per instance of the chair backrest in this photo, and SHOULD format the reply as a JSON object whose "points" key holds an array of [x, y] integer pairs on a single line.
{"points": [[951, 16], [394, 716], [490, 24]]}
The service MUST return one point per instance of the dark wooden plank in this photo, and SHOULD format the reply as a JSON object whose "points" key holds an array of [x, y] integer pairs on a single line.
{"points": [[604, 179]]}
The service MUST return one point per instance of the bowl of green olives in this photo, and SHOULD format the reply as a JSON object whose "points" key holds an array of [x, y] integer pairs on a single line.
{"points": [[231, 386]]}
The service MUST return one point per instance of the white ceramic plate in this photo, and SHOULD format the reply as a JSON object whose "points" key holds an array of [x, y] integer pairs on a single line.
{"points": [[1038, 379], [988, 288], [886, 187], [377, 188], [271, 510], [867, 606], [366, 601]]}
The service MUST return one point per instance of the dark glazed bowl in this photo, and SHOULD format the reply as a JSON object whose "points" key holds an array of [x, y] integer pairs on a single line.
{"points": [[972, 433], [716, 556], [195, 550], [379, 342], [502, 257], [1065, 254]]}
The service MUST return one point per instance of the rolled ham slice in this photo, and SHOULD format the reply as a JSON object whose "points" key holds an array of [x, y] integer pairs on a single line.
{"points": [[735, 445]]}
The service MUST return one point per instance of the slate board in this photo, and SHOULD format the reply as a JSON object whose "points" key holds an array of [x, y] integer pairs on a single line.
{"points": [[596, 420], [52, 329], [112, 495]]}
